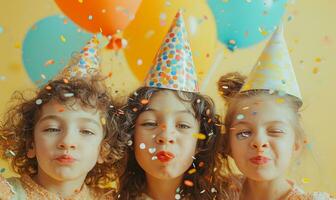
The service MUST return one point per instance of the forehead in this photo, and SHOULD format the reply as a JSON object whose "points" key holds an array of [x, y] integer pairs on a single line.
{"points": [[263, 108], [167, 100], [71, 109]]}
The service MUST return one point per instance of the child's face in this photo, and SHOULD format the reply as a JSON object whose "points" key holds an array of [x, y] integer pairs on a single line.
{"points": [[163, 140], [67, 141], [262, 138]]}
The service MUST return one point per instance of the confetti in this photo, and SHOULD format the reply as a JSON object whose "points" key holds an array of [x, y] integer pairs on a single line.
{"points": [[129, 142], [17, 45], [202, 191], [61, 110], [191, 171], [144, 101], [80, 1], [149, 34], [109, 74], [240, 116], [9, 153], [152, 150], [135, 109], [69, 94], [154, 158], [315, 70], [280, 100], [177, 196], [198, 101], [38, 101], [2, 170], [318, 59], [201, 164], [213, 190], [245, 108], [49, 62], [305, 180], [62, 38], [48, 87], [1, 29], [139, 62], [254, 113], [43, 76], [90, 17], [103, 120], [262, 31], [188, 183], [103, 11], [65, 80], [199, 136], [142, 146]]}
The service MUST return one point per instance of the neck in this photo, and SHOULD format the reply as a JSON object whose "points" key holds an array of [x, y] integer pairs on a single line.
{"points": [[162, 188], [271, 189], [64, 188]]}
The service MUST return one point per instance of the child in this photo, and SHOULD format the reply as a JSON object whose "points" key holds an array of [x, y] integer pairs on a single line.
{"points": [[171, 127], [263, 131], [64, 141]]}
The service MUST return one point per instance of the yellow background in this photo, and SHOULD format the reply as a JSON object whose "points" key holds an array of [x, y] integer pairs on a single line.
{"points": [[311, 38]]}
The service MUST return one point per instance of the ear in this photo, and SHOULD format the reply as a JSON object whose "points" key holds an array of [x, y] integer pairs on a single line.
{"points": [[31, 153], [297, 148]]}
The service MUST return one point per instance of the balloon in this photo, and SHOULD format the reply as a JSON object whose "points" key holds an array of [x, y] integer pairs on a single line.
{"points": [[145, 34], [48, 46], [244, 23], [105, 16]]}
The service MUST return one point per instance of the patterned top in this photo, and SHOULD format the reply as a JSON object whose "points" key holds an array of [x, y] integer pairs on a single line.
{"points": [[25, 188]]}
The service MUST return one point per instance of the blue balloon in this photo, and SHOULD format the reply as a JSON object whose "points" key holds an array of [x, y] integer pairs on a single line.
{"points": [[48, 47], [242, 23]]}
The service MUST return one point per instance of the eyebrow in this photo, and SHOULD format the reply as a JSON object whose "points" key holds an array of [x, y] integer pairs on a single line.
{"points": [[149, 109], [247, 123], [55, 117]]}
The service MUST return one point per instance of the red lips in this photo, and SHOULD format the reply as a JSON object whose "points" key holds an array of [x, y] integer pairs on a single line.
{"points": [[165, 156], [259, 160], [65, 159]]}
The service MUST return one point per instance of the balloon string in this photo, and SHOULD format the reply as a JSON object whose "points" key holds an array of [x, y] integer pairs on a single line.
{"points": [[219, 57]]}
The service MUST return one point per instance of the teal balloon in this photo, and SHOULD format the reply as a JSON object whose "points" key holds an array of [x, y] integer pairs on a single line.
{"points": [[242, 23], [48, 46]]}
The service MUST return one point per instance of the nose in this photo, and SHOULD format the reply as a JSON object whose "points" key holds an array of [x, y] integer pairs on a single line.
{"points": [[260, 142], [166, 135], [67, 142]]}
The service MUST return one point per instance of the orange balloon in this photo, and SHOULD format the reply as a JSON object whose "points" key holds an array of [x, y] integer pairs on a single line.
{"points": [[105, 16]]}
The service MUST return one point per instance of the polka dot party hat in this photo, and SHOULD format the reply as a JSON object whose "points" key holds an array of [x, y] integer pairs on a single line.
{"points": [[173, 66], [85, 63], [274, 69]]}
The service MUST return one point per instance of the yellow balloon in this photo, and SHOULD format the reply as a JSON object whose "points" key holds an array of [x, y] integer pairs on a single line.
{"points": [[152, 21]]}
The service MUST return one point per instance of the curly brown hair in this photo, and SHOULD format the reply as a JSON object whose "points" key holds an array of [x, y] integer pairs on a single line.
{"points": [[229, 86], [17, 127], [133, 181]]}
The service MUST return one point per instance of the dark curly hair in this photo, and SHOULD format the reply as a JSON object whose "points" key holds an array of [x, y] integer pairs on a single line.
{"points": [[132, 181], [17, 127]]}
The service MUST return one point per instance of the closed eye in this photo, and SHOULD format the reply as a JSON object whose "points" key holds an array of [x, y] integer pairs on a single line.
{"points": [[149, 124], [51, 130], [243, 135], [183, 126], [276, 132], [87, 132]]}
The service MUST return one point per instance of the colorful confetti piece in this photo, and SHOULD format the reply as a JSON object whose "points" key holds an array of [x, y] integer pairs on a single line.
{"points": [[305, 180], [142, 146], [139, 61], [1, 30], [315, 70], [199, 136], [62, 38], [38, 101], [103, 120], [90, 17], [129, 142], [144, 101], [2, 77], [280, 100], [191, 171], [49, 62], [177, 196], [240, 116], [188, 183], [152, 150]]}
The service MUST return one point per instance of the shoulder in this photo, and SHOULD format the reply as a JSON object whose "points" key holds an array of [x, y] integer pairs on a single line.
{"points": [[11, 188], [299, 194], [6, 190]]}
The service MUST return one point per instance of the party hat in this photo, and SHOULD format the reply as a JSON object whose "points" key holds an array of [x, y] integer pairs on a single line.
{"points": [[274, 69], [173, 66], [86, 62]]}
